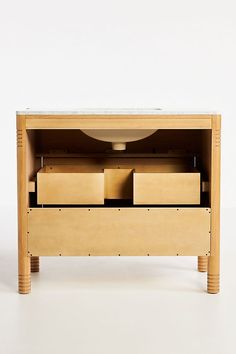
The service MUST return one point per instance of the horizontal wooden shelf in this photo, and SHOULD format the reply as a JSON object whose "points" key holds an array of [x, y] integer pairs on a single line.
{"points": [[116, 154]]}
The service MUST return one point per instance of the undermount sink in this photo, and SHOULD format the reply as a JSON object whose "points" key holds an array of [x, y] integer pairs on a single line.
{"points": [[119, 137]]}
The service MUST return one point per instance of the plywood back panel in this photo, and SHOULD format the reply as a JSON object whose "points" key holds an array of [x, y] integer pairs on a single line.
{"points": [[138, 163], [75, 141]]}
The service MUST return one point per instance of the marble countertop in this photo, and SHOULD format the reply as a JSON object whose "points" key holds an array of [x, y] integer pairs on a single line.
{"points": [[110, 111]]}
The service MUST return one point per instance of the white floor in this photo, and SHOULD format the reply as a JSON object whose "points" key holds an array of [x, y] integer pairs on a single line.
{"points": [[116, 305]]}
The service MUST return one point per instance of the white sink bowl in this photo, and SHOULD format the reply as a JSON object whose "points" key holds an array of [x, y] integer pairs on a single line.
{"points": [[119, 137]]}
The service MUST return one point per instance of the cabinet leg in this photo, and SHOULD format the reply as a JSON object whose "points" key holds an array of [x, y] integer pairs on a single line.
{"points": [[213, 276], [202, 263], [24, 275], [34, 264], [24, 283]]}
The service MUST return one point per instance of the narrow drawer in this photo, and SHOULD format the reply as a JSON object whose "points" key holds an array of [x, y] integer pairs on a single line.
{"points": [[65, 185], [167, 188]]}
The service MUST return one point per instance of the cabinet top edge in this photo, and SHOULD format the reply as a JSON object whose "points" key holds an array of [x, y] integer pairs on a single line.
{"points": [[110, 112]]}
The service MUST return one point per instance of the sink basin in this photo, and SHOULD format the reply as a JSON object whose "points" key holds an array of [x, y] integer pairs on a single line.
{"points": [[119, 137]]}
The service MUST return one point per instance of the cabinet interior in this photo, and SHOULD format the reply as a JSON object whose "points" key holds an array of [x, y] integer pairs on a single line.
{"points": [[166, 151]]}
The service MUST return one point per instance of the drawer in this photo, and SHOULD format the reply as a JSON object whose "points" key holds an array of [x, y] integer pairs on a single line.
{"points": [[166, 188], [104, 231], [65, 185]]}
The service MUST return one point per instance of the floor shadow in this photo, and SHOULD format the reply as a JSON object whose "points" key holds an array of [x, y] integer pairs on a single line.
{"points": [[8, 266], [105, 272]]}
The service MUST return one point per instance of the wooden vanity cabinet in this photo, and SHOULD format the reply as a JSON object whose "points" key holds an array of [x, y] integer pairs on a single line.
{"points": [[77, 197]]}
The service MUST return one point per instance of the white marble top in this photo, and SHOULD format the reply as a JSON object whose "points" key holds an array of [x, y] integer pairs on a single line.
{"points": [[110, 111]]}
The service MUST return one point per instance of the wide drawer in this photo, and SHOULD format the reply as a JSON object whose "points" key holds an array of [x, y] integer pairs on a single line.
{"points": [[118, 231], [166, 188], [68, 186]]}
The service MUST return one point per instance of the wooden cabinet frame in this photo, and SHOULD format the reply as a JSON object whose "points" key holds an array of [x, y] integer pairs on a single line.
{"points": [[28, 123]]}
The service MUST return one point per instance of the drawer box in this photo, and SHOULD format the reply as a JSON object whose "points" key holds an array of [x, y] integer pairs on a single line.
{"points": [[68, 185], [166, 188], [118, 231]]}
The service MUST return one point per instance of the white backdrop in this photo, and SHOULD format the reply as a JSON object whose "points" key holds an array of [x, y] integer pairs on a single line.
{"points": [[117, 53], [67, 54]]}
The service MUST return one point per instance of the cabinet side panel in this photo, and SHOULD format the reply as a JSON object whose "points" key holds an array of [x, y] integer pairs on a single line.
{"points": [[22, 191]]}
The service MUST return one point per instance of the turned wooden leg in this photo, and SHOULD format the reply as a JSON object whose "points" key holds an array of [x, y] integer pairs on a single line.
{"points": [[202, 263], [24, 275], [34, 262], [213, 278]]}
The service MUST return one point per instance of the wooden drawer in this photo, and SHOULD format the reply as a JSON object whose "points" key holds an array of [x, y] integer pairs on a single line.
{"points": [[65, 185], [118, 231], [166, 188]]}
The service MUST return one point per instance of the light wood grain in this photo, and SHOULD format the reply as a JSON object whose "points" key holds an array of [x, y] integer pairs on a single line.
{"points": [[214, 259], [124, 231], [202, 263], [84, 182], [139, 164], [118, 183], [118, 121], [31, 186], [23, 160], [167, 188], [56, 187]]}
